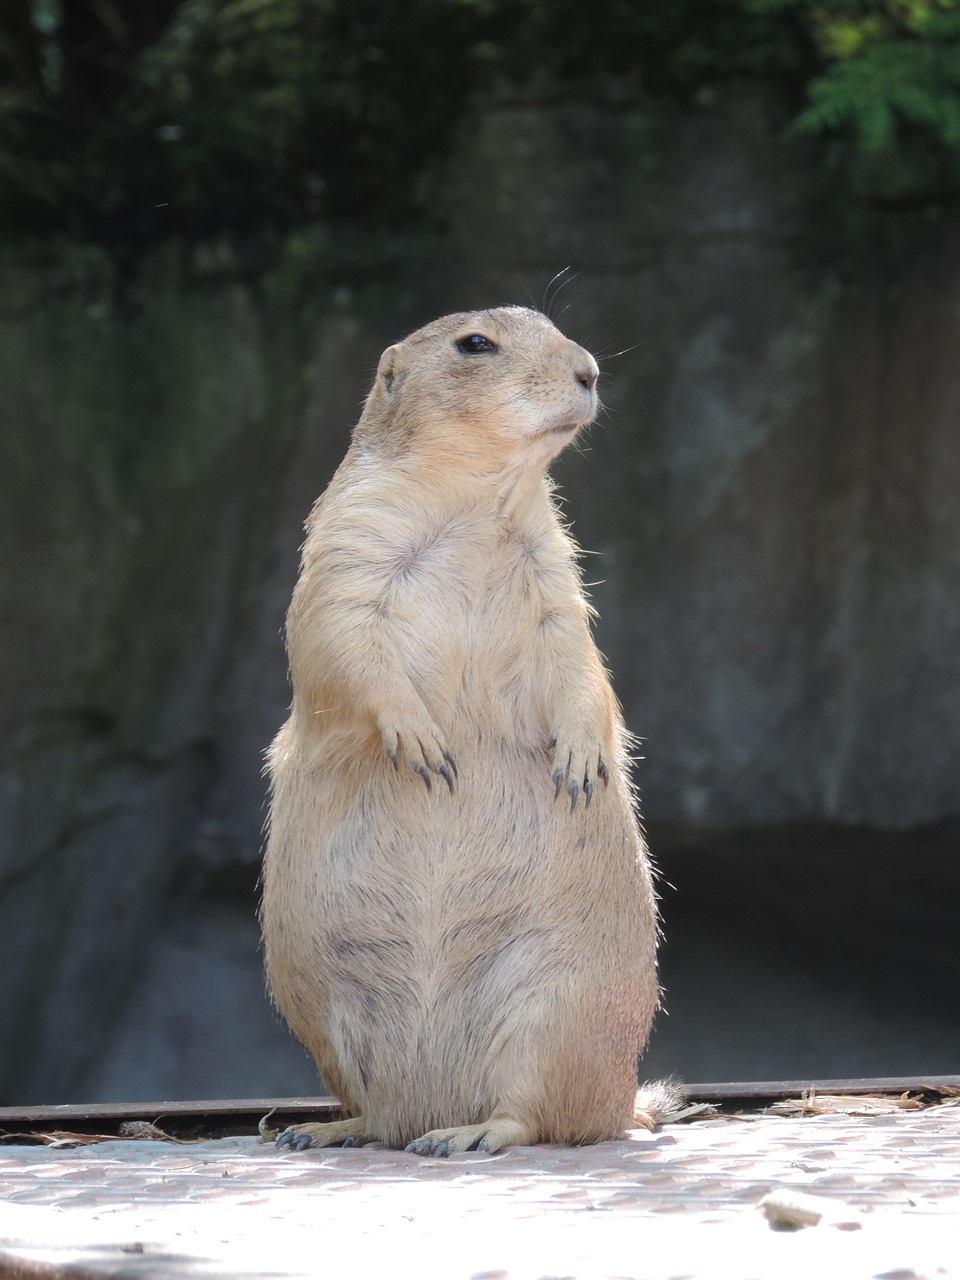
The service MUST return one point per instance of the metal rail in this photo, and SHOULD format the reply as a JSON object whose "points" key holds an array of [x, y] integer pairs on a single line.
{"points": [[220, 1114]]}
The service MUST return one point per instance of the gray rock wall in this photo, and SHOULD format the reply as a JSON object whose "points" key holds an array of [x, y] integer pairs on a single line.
{"points": [[772, 490]]}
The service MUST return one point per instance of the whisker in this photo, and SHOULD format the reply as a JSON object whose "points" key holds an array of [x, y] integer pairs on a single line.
{"points": [[558, 318], [600, 322], [616, 404], [626, 351], [548, 303], [524, 289]]}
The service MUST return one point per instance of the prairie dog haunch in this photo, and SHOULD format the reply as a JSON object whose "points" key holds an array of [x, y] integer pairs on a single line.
{"points": [[458, 916]]}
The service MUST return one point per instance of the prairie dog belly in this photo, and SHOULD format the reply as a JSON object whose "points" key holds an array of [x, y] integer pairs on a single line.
{"points": [[494, 918]]}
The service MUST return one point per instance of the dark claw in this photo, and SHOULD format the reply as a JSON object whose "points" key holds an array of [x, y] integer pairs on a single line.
{"points": [[573, 791], [445, 775], [442, 1148], [303, 1143], [604, 773], [286, 1138], [558, 782], [588, 792], [350, 1142], [418, 1147], [424, 773], [452, 763], [395, 760], [552, 743]]}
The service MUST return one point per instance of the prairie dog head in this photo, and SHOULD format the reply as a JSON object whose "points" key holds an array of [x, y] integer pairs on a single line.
{"points": [[487, 387]]}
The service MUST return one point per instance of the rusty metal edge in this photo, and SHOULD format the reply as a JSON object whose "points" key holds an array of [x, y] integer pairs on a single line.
{"points": [[755, 1092], [750, 1093], [225, 1109]]}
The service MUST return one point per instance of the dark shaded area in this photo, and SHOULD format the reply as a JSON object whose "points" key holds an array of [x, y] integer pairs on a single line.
{"points": [[868, 916], [878, 907]]}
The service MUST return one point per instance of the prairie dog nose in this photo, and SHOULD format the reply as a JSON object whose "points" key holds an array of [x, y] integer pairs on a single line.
{"points": [[587, 372]]}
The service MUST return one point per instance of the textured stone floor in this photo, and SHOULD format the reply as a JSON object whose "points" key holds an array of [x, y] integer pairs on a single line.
{"points": [[683, 1202]]}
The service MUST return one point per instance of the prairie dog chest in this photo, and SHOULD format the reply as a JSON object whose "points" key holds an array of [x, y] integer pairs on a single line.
{"points": [[470, 595], [473, 599]]}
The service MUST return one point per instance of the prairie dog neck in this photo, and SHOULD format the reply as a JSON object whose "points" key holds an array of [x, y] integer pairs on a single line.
{"points": [[444, 482]]}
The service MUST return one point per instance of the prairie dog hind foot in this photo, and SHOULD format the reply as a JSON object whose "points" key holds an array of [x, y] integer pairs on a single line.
{"points": [[655, 1104], [490, 1136], [338, 1133]]}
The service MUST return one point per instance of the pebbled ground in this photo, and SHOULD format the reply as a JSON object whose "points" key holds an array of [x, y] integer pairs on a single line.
{"points": [[682, 1202]]}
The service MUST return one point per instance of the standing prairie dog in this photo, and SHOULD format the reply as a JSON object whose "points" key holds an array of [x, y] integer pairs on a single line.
{"points": [[458, 917]]}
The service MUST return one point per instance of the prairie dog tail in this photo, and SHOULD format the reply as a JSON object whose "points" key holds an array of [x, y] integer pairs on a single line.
{"points": [[658, 1101]]}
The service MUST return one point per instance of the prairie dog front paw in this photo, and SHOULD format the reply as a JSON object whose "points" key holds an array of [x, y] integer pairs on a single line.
{"points": [[579, 761], [416, 739]]}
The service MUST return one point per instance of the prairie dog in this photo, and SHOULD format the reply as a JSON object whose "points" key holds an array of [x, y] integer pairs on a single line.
{"points": [[458, 916]]}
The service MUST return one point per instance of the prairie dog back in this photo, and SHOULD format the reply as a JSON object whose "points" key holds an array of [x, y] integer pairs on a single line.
{"points": [[458, 916]]}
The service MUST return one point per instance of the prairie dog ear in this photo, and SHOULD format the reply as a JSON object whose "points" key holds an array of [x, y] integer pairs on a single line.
{"points": [[391, 365]]}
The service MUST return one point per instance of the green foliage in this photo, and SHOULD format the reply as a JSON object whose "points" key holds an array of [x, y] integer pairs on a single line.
{"points": [[123, 124], [888, 93]]}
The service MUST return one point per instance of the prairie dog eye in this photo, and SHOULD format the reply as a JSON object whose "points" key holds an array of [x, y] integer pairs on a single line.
{"points": [[475, 344]]}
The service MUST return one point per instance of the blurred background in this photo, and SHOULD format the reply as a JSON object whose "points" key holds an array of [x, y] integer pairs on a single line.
{"points": [[214, 214]]}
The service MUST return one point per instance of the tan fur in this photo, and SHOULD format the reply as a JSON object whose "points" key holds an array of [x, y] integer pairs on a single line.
{"points": [[469, 959]]}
